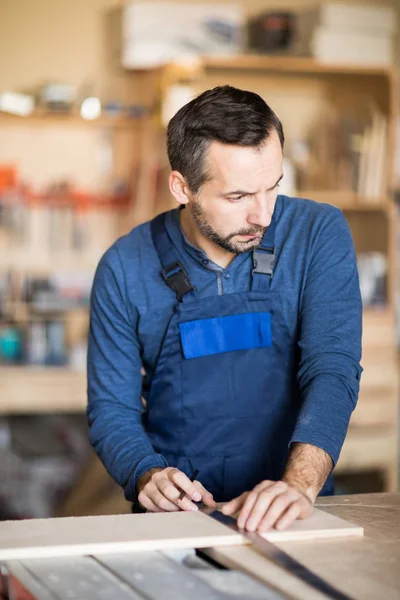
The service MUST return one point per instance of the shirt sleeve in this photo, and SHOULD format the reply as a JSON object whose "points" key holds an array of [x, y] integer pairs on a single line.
{"points": [[115, 382], [330, 339]]}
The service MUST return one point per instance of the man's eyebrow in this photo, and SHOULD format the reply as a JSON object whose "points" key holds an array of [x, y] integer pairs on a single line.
{"points": [[274, 186], [245, 193], [239, 193]]}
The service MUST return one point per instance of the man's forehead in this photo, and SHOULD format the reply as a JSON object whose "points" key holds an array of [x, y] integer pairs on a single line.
{"points": [[238, 166]]}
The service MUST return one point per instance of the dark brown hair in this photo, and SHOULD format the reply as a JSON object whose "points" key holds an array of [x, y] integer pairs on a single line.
{"points": [[224, 114]]}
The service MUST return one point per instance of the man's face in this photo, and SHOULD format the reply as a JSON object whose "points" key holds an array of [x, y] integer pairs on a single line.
{"points": [[235, 206]]}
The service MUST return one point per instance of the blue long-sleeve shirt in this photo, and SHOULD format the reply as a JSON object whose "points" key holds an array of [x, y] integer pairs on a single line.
{"points": [[131, 306]]}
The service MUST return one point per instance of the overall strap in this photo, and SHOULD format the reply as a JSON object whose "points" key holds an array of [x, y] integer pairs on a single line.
{"points": [[173, 272], [264, 259]]}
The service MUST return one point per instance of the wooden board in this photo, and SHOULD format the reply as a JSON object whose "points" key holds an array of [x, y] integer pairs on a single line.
{"points": [[71, 536], [153, 531], [320, 525]]}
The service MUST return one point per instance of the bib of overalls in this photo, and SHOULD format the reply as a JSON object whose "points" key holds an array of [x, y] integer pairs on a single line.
{"points": [[224, 397]]}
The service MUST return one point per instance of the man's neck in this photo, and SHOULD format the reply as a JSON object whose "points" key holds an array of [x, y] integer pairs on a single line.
{"points": [[215, 253]]}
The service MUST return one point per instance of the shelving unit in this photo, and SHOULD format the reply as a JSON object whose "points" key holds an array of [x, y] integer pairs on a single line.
{"points": [[296, 89], [27, 389], [51, 119], [290, 64], [34, 390]]}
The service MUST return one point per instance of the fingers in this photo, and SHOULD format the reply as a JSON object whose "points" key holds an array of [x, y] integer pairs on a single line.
{"points": [[148, 504], [161, 500], [270, 504], [183, 482], [276, 507], [301, 508], [232, 507], [251, 513], [206, 496], [291, 514], [164, 489], [172, 493]]}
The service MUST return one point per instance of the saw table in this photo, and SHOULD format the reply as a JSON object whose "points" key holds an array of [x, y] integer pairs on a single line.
{"points": [[363, 568]]}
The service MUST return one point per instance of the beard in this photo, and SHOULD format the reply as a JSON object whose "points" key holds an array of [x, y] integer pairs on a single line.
{"points": [[228, 242]]}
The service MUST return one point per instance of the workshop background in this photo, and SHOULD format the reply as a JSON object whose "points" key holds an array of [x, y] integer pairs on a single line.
{"points": [[86, 89]]}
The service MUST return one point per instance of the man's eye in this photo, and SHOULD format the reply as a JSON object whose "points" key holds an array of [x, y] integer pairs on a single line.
{"points": [[234, 199]]}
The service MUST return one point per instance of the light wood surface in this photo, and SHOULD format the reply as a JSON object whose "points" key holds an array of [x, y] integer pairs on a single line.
{"points": [[73, 536], [290, 64], [139, 532], [366, 568], [319, 526]]}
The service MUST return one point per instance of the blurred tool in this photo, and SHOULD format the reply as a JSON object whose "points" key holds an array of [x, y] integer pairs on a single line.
{"points": [[57, 97], [271, 32], [56, 355], [10, 344], [372, 269], [36, 349]]}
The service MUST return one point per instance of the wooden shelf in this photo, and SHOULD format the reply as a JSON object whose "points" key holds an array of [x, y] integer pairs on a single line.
{"points": [[346, 200], [70, 119], [33, 390], [286, 64]]}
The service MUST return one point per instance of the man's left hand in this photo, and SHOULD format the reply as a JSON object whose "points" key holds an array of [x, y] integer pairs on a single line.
{"points": [[270, 504]]}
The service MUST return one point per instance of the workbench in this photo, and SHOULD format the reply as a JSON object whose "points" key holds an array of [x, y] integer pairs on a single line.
{"points": [[364, 568]]}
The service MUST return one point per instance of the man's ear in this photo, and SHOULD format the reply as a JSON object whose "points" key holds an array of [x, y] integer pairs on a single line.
{"points": [[178, 187]]}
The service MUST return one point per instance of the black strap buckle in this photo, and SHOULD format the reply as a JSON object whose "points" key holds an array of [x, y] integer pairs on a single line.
{"points": [[177, 279], [264, 261]]}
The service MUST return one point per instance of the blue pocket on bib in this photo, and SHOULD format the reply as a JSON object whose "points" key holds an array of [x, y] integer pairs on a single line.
{"points": [[204, 337]]}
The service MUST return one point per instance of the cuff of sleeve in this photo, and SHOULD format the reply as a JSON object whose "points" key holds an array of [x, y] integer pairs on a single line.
{"points": [[148, 462], [325, 414], [329, 446]]}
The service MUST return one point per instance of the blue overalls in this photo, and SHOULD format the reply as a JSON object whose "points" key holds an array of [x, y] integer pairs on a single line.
{"points": [[224, 397]]}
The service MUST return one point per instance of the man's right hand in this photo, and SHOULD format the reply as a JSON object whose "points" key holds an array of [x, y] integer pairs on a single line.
{"points": [[160, 490]]}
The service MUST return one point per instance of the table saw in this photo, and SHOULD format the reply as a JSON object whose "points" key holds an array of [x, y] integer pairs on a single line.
{"points": [[359, 568]]}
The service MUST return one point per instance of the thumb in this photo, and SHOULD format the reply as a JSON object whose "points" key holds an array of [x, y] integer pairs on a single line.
{"points": [[230, 508]]}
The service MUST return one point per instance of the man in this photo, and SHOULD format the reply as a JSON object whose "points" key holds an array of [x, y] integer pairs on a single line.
{"points": [[243, 308]]}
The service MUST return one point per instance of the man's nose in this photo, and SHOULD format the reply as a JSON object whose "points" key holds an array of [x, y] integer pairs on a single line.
{"points": [[260, 215]]}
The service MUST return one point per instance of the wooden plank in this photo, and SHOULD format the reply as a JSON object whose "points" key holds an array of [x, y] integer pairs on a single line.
{"points": [[292, 64], [73, 536], [319, 526], [152, 531]]}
